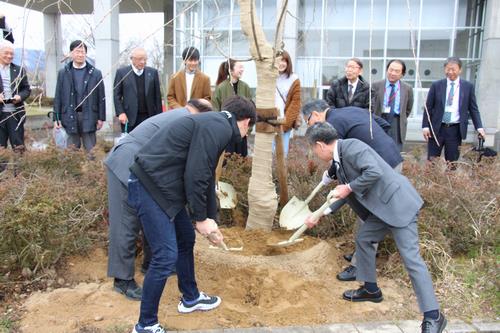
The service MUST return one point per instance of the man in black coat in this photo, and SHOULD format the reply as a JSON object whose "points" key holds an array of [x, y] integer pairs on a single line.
{"points": [[79, 103], [136, 92], [354, 123], [175, 169], [351, 89], [14, 89]]}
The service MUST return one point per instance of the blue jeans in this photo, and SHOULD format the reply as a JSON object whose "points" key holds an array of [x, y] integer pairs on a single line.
{"points": [[286, 142], [171, 241]]}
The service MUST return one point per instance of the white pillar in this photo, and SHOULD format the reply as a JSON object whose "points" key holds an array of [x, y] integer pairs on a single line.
{"points": [[53, 51], [489, 75], [107, 45], [168, 42], [290, 32]]}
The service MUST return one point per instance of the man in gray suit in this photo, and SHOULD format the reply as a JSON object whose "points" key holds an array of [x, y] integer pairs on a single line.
{"points": [[388, 203], [394, 100], [136, 92], [124, 226]]}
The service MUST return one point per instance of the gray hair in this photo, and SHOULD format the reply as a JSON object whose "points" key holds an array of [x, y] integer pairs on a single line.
{"points": [[317, 105], [5, 44], [322, 132], [453, 60]]}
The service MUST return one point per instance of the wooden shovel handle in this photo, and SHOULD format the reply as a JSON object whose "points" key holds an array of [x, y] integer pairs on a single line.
{"points": [[218, 170], [314, 192], [316, 215]]}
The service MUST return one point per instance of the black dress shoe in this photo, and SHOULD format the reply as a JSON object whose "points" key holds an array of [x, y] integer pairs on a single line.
{"points": [[362, 295], [129, 288], [348, 256], [348, 274], [434, 325]]}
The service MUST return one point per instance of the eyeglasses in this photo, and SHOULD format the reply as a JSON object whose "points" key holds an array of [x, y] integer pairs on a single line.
{"points": [[352, 67], [309, 118]]}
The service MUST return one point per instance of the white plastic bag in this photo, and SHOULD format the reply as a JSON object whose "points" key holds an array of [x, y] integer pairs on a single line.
{"points": [[60, 137]]}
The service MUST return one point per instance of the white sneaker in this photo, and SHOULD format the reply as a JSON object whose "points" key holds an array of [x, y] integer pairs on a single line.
{"points": [[149, 329], [203, 303]]}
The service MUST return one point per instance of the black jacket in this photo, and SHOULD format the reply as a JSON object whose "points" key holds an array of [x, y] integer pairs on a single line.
{"points": [[94, 103], [354, 123], [125, 93], [19, 85], [337, 95], [177, 167]]}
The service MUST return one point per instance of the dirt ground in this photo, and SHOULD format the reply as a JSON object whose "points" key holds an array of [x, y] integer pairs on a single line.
{"points": [[259, 286]]}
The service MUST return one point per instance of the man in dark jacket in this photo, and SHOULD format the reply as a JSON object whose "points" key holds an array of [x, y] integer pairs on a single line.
{"points": [[79, 103], [176, 168], [136, 91], [14, 89], [352, 89], [124, 225]]}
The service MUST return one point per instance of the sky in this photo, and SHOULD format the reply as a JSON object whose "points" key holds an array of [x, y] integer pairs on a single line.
{"points": [[29, 23]]}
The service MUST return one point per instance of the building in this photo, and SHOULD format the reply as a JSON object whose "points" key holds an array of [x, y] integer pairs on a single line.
{"points": [[320, 35]]}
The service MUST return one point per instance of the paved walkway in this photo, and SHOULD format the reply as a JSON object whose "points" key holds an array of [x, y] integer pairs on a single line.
{"points": [[407, 326]]}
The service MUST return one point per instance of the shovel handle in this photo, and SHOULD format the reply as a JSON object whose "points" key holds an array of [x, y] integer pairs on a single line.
{"points": [[316, 215], [314, 192]]}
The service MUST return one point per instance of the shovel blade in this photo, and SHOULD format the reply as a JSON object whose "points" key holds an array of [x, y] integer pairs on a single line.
{"points": [[294, 214], [285, 243], [227, 196]]}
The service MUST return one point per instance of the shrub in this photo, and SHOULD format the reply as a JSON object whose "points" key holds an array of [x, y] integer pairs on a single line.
{"points": [[51, 208]]}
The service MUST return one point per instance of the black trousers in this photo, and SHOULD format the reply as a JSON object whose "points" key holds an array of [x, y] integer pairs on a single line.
{"points": [[12, 129], [450, 139]]}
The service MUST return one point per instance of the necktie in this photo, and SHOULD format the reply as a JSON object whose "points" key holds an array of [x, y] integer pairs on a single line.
{"points": [[349, 92], [392, 97], [449, 102]]}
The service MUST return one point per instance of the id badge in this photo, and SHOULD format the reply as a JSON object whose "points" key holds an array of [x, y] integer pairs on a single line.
{"points": [[387, 109]]}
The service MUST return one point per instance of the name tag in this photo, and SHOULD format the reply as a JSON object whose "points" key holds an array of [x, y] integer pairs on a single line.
{"points": [[387, 109]]}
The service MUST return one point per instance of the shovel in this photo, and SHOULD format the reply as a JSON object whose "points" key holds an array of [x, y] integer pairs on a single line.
{"points": [[296, 211], [225, 192], [222, 245], [294, 239]]}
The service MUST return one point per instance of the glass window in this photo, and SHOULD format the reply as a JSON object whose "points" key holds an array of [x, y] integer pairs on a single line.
{"points": [[400, 16], [309, 43], [216, 14], [362, 43], [307, 94], [462, 39], [418, 107], [240, 44], [363, 13], [399, 44], [210, 66], [430, 71], [216, 42], [308, 71], [268, 18], [376, 69], [338, 43], [435, 43], [333, 69], [338, 13], [310, 14], [438, 13]]}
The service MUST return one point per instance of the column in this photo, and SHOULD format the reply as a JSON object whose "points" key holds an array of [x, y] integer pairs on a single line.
{"points": [[53, 51], [290, 32], [106, 35], [489, 75], [168, 46]]}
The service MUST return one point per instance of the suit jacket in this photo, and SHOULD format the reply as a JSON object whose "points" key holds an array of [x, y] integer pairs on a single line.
{"points": [[19, 86], [338, 97], [405, 103], [93, 106], [177, 96], [467, 106], [376, 187], [125, 93], [354, 123], [122, 155]]}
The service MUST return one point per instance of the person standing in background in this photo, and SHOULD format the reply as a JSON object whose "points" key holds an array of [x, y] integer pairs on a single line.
{"points": [[136, 92], [287, 97], [228, 84], [189, 82]]}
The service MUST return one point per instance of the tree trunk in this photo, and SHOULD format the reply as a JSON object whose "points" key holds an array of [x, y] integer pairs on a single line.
{"points": [[262, 198]]}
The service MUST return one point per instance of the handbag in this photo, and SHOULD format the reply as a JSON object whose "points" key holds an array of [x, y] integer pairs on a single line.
{"points": [[59, 134]]}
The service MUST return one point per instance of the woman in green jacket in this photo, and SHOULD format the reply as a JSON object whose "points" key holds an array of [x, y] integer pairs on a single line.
{"points": [[229, 84]]}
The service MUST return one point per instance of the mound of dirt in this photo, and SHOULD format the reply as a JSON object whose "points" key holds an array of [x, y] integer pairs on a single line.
{"points": [[259, 286]]}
